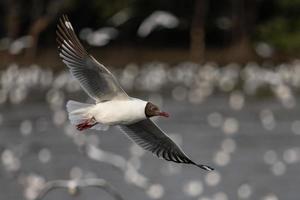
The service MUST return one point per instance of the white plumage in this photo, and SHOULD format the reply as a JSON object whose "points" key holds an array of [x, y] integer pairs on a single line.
{"points": [[118, 112], [113, 106]]}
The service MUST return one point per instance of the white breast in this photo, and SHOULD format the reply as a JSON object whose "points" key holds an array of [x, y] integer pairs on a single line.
{"points": [[119, 111]]}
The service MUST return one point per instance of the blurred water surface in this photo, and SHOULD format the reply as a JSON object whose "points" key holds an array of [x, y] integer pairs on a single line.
{"points": [[243, 121]]}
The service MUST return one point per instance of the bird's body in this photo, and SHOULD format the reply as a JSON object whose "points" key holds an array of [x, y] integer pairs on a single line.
{"points": [[119, 111], [113, 106], [114, 112]]}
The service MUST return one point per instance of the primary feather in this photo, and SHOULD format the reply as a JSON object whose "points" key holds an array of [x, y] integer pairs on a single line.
{"points": [[146, 134], [94, 78]]}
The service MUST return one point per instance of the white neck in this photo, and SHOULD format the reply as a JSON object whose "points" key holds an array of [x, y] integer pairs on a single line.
{"points": [[139, 107]]}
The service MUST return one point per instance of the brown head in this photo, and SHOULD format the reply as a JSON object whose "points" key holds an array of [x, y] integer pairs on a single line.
{"points": [[152, 110]]}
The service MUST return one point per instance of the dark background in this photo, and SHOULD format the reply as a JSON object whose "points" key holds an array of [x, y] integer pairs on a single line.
{"points": [[220, 31], [228, 72]]}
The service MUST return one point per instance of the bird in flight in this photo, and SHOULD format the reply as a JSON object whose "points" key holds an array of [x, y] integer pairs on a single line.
{"points": [[113, 106]]}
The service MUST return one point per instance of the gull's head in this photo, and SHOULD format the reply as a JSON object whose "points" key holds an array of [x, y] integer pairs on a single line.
{"points": [[152, 110]]}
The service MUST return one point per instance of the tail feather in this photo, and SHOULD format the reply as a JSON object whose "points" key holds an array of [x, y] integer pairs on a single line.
{"points": [[79, 115], [75, 105], [77, 111]]}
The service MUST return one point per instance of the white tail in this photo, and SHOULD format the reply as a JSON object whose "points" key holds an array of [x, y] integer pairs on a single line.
{"points": [[78, 112]]}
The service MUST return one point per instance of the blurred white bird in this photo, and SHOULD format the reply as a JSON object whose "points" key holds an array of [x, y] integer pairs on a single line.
{"points": [[19, 44], [157, 18], [113, 106], [100, 37]]}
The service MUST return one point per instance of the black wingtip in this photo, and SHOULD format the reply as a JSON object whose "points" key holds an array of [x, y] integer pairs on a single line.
{"points": [[205, 167]]}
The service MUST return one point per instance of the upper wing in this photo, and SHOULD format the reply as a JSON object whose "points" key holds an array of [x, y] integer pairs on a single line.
{"points": [[146, 134], [94, 78]]}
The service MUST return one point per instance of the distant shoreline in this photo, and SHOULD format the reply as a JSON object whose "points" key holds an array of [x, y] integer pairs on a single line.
{"points": [[118, 56]]}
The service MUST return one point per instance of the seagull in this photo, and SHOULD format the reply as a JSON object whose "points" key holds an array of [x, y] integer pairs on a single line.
{"points": [[113, 106]]}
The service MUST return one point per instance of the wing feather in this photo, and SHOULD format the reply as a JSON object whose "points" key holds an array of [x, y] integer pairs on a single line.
{"points": [[147, 135], [97, 81]]}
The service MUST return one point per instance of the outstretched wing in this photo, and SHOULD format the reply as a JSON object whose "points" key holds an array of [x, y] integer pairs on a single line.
{"points": [[147, 135], [94, 78]]}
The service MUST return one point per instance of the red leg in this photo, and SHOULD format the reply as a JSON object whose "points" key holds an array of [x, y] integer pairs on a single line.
{"points": [[86, 124]]}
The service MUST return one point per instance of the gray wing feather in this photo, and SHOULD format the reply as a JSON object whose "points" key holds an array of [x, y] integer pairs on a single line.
{"points": [[147, 135], [97, 81]]}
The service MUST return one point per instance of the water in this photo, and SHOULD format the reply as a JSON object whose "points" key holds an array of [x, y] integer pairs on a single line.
{"points": [[244, 122], [249, 161]]}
